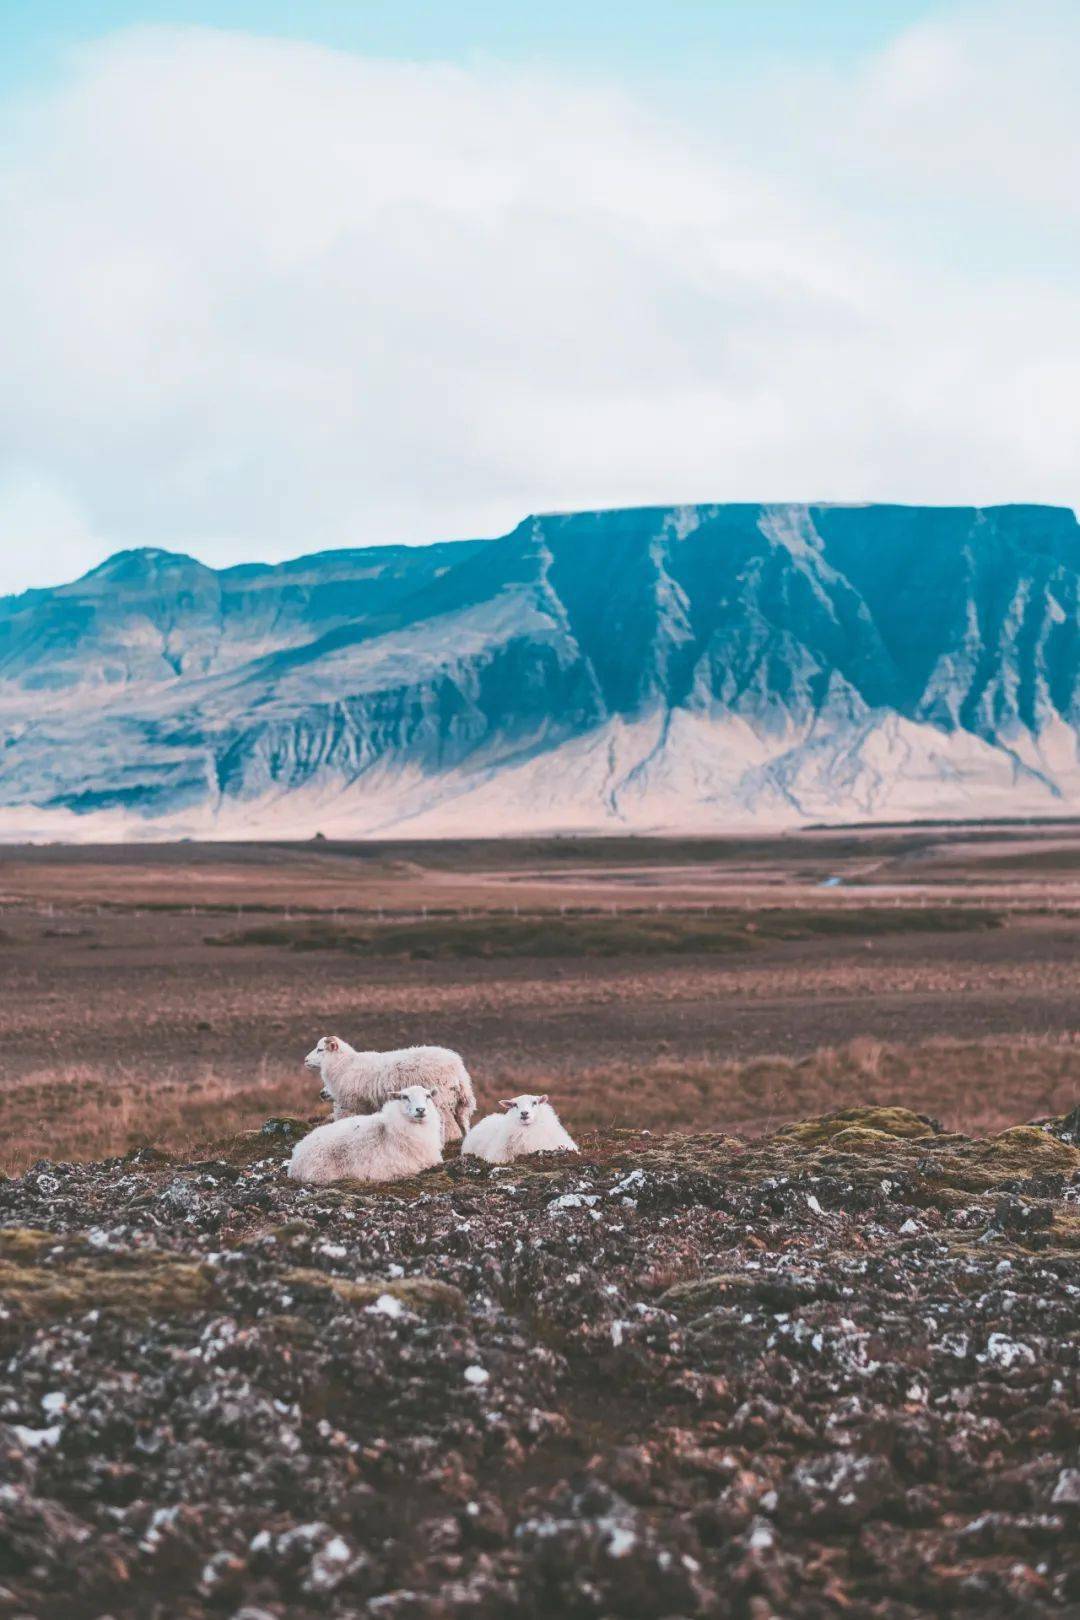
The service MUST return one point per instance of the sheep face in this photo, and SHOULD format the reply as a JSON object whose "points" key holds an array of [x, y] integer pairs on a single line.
{"points": [[417, 1103], [523, 1110], [325, 1049]]}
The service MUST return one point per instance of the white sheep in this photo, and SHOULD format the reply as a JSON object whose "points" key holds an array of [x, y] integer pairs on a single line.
{"points": [[360, 1082], [529, 1125], [402, 1139]]}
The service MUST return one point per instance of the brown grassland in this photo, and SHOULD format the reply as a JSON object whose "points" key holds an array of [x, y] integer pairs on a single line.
{"points": [[169, 993]]}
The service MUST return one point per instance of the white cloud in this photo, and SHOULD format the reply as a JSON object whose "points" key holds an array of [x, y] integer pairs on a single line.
{"points": [[44, 539], [981, 102], [258, 297]]}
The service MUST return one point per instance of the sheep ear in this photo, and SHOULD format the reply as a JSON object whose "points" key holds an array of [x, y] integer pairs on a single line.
{"points": [[542, 1099], [332, 1043], [506, 1102], [429, 1091]]}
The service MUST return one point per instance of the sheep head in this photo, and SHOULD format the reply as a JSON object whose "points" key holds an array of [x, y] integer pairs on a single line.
{"points": [[416, 1103], [524, 1108], [327, 1047]]}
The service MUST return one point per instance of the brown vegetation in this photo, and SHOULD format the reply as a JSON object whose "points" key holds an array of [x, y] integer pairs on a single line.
{"points": [[669, 984], [973, 1086], [80, 1112], [663, 934], [976, 1086], [1018, 866]]}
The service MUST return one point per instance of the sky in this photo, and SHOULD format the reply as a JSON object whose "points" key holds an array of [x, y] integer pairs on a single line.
{"points": [[280, 278]]}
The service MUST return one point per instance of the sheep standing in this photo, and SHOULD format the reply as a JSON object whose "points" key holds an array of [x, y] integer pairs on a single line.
{"points": [[402, 1139], [529, 1125], [360, 1082]]}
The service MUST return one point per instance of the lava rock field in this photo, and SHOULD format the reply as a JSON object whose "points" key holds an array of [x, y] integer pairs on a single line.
{"points": [[832, 1371]]}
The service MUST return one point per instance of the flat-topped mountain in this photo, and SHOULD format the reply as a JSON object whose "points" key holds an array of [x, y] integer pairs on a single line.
{"points": [[659, 669]]}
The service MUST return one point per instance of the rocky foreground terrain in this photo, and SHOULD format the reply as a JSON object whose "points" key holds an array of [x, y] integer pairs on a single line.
{"points": [[836, 1371]]}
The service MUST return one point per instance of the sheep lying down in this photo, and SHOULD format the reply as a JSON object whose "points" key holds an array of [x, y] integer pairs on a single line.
{"points": [[528, 1125], [402, 1139], [360, 1082]]}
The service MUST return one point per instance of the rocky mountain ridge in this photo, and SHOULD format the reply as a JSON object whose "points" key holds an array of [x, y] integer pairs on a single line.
{"points": [[663, 669]]}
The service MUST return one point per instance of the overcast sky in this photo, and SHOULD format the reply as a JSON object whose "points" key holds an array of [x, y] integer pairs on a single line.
{"points": [[430, 268]]}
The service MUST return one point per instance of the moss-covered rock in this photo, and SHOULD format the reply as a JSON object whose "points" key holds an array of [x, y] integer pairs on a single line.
{"points": [[424, 1295], [703, 1293], [1015, 1154], [862, 1139], [279, 1134], [24, 1244], [1027, 1148], [1064, 1231], [42, 1279], [883, 1120]]}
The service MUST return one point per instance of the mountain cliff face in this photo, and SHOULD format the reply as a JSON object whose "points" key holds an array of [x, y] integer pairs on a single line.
{"points": [[688, 668]]}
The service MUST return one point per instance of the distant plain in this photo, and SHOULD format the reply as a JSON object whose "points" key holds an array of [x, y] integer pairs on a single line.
{"points": [[168, 993]]}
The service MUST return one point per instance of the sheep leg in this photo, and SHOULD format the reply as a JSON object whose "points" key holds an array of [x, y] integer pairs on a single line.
{"points": [[462, 1112]]}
